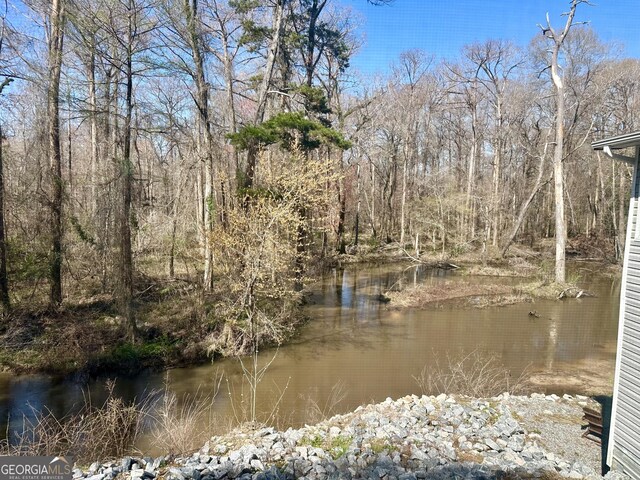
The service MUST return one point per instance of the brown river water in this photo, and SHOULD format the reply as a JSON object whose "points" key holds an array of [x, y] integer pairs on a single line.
{"points": [[358, 350]]}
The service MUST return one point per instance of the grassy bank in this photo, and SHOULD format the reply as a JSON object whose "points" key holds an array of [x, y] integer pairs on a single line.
{"points": [[468, 293], [177, 326], [89, 339], [523, 277]]}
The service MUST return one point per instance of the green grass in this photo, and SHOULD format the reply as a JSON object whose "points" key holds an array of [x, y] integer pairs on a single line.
{"points": [[316, 441], [130, 357], [379, 445], [336, 446], [339, 445]]}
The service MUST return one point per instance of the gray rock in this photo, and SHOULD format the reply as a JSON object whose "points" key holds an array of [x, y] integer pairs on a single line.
{"points": [[220, 473], [492, 445], [418, 454], [126, 464], [220, 449], [271, 474], [175, 474], [235, 456], [417, 436], [136, 473], [450, 452], [615, 475], [303, 452], [516, 443], [146, 475], [188, 472], [407, 476]]}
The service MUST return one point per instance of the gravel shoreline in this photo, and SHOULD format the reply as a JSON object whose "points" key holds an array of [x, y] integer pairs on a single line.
{"points": [[413, 437]]}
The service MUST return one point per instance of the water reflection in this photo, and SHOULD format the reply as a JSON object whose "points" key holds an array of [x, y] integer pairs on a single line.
{"points": [[372, 350]]}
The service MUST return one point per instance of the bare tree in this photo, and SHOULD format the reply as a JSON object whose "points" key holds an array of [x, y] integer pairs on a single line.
{"points": [[4, 280], [557, 38], [411, 69], [497, 62], [205, 139], [56, 39]]}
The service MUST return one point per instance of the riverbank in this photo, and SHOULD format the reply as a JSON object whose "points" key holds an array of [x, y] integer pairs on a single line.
{"points": [[517, 279], [410, 438], [472, 294], [178, 326]]}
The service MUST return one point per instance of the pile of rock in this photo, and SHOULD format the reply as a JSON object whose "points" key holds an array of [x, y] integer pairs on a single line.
{"points": [[410, 438]]}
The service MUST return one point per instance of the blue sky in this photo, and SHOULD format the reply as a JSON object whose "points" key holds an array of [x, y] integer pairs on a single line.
{"points": [[443, 27]]}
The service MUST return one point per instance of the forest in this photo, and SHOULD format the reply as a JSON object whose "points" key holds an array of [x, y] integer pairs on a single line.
{"points": [[174, 172]]}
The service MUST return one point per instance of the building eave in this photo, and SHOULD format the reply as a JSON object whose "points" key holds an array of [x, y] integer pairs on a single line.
{"points": [[619, 141]]}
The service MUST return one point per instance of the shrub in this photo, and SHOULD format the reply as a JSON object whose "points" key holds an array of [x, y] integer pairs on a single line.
{"points": [[474, 375], [181, 426], [91, 433]]}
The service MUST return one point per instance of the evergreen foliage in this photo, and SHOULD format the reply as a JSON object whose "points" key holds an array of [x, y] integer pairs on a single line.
{"points": [[289, 129]]}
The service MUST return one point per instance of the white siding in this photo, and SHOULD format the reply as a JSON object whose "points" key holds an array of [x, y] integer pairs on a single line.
{"points": [[624, 442]]}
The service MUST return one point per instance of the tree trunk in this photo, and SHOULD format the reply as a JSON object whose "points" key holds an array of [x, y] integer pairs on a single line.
{"points": [[373, 199], [175, 212], [403, 200], [202, 104], [342, 205], [358, 202], [56, 38], [497, 165], [126, 255], [4, 279], [558, 175], [471, 170], [252, 151], [527, 203], [93, 119], [558, 154], [309, 64], [229, 75], [70, 192]]}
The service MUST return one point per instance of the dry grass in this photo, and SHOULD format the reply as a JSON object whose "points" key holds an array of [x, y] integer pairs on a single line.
{"points": [[513, 267], [243, 400], [501, 300], [110, 430], [464, 293], [470, 457], [552, 291], [474, 375], [182, 425], [94, 432], [317, 411], [423, 296]]}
